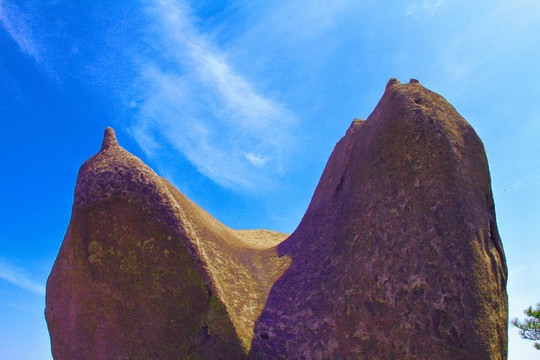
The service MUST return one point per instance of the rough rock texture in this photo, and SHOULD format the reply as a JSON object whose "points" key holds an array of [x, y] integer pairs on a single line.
{"points": [[397, 257], [144, 273]]}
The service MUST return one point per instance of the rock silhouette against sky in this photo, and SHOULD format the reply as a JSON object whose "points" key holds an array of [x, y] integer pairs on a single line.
{"points": [[398, 256]]}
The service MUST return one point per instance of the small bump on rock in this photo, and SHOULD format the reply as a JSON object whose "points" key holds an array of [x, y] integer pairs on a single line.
{"points": [[414, 81], [109, 139], [392, 81]]}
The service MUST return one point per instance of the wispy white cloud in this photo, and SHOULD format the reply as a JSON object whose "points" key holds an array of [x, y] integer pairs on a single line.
{"points": [[191, 97], [15, 22], [257, 160], [18, 277]]}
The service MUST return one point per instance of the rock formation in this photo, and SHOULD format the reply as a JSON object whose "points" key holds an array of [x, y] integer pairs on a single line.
{"points": [[397, 257], [144, 273]]}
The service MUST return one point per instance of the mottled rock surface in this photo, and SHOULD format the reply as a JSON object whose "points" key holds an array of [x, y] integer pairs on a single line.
{"points": [[144, 273], [397, 257]]}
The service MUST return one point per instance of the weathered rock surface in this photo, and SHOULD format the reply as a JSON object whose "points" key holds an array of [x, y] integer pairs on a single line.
{"points": [[397, 257], [144, 273]]}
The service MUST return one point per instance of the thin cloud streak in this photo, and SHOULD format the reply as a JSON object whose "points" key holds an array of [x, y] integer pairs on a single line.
{"points": [[14, 22], [18, 23], [18, 277], [193, 99]]}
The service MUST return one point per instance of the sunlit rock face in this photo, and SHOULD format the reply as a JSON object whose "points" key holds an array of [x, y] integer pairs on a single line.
{"points": [[144, 273], [397, 257]]}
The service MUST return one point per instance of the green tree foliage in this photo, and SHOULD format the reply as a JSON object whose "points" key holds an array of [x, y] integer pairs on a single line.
{"points": [[530, 327]]}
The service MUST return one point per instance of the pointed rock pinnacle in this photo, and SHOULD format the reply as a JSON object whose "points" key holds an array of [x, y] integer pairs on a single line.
{"points": [[109, 139]]}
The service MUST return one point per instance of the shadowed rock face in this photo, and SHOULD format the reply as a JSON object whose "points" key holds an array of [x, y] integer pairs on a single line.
{"points": [[397, 257]]}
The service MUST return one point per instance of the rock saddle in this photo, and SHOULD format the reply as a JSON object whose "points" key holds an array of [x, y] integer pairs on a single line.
{"points": [[397, 257]]}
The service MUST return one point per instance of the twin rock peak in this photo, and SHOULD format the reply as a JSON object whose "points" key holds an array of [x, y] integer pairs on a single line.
{"points": [[397, 256]]}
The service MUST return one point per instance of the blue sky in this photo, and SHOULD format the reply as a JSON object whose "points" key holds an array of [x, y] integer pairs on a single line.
{"points": [[239, 104]]}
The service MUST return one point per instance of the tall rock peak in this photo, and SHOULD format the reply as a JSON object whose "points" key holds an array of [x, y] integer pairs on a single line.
{"points": [[398, 251], [398, 256]]}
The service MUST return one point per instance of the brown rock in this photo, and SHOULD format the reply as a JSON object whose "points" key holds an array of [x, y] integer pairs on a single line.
{"points": [[144, 273], [397, 257]]}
